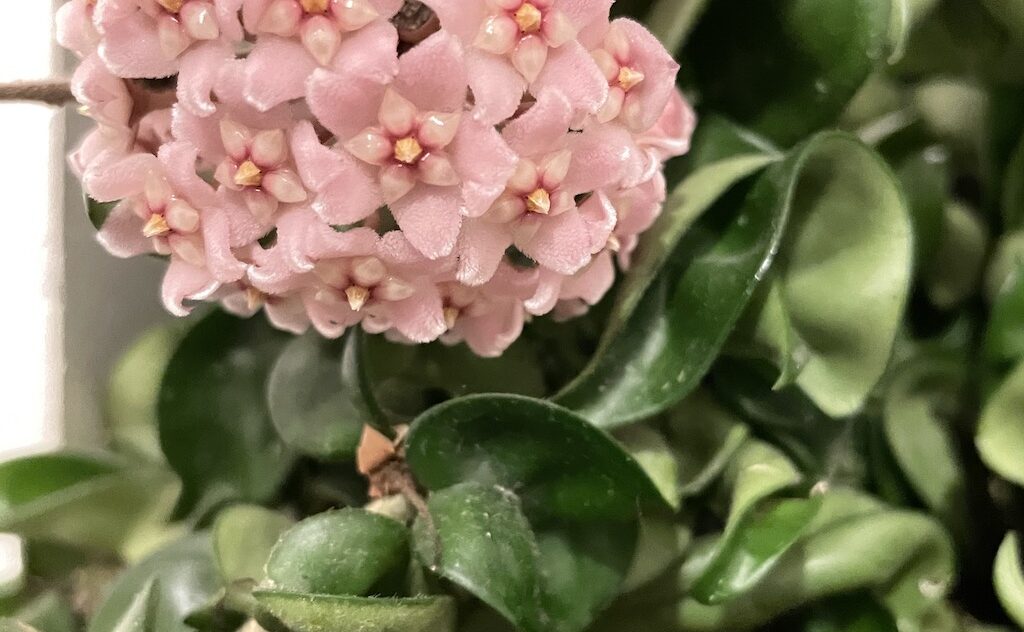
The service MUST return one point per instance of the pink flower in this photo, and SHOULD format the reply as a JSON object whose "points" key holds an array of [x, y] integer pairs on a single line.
{"points": [[670, 136], [433, 165], [160, 38], [518, 44], [75, 30], [490, 317]]}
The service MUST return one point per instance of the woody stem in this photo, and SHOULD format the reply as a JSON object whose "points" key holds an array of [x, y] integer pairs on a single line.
{"points": [[50, 91]]}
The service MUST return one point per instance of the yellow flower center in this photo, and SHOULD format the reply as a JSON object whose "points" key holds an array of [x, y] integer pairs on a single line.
{"points": [[357, 297], [254, 299], [248, 174], [171, 5], [529, 18], [156, 226], [451, 316], [315, 6], [629, 78], [408, 150], [539, 202]]}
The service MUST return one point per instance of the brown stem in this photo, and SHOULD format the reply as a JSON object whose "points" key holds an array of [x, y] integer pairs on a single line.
{"points": [[394, 477], [52, 92]]}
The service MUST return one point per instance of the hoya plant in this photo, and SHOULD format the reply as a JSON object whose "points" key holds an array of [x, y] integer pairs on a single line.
{"points": [[547, 316]]}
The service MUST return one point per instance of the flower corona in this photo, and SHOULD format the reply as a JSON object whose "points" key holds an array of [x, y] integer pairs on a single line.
{"points": [[444, 169]]}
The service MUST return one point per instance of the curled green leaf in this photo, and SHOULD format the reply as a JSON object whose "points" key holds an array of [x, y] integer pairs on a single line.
{"points": [[1000, 436], [300, 612], [1009, 577]]}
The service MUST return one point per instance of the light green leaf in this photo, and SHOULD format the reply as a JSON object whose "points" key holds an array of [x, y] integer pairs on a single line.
{"points": [[316, 398], [481, 541], [141, 615], [954, 271], [1009, 577], [1000, 437], [215, 429], [672, 20], [342, 552], [183, 575], [332, 613], [243, 536], [656, 457], [706, 437]]}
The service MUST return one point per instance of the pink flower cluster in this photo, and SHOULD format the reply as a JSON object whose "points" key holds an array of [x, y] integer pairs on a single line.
{"points": [[443, 169]]}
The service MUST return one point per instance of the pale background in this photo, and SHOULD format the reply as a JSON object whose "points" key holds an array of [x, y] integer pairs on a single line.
{"points": [[68, 309]]}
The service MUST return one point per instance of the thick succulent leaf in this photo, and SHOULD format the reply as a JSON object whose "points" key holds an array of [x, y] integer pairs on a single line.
{"points": [[82, 501], [957, 265], [1004, 337], [141, 615], [49, 611], [1009, 577], [243, 536], [750, 551], [925, 177], [342, 552], [787, 67], [316, 395], [183, 575], [1000, 437], [856, 613], [215, 428], [561, 466], [133, 389], [915, 417], [658, 459], [706, 437], [480, 540], [329, 613], [844, 274], [1013, 189], [839, 554], [672, 20]]}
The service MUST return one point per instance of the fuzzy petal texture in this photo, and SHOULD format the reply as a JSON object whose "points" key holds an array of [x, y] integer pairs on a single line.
{"points": [[182, 282], [121, 234], [130, 45], [420, 318], [602, 156], [599, 214], [346, 190], [484, 163], [481, 249], [433, 74], [543, 127], [198, 74], [459, 17], [303, 239], [560, 243], [74, 29], [571, 70], [497, 87], [430, 218], [276, 71], [119, 177], [591, 283], [344, 104]]}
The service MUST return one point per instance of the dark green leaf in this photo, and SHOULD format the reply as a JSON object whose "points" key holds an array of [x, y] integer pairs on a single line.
{"points": [[343, 552], [1009, 577], [856, 613], [787, 67], [957, 265], [215, 428], [561, 466], [98, 211], [243, 536], [488, 548], [1004, 338], [672, 20], [1000, 437], [184, 574], [706, 437], [333, 613], [925, 176], [315, 394]]}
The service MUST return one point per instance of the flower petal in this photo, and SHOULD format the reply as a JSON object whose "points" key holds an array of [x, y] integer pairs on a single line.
{"points": [[572, 70], [276, 71], [543, 127], [497, 87], [433, 74], [343, 104], [420, 318], [131, 47], [461, 18], [184, 281], [200, 68], [484, 162], [560, 243], [121, 233], [430, 218]]}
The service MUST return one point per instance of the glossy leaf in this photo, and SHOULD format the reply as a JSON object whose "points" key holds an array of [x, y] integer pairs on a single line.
{"points": [[343, 552], [919, 433], [840, 554], [243, 536], [316, 398], [560, 465], [925, 176], [1000, 437], [82, 501], [706, 437], [656, 457], [50, 612], [184, 576], [750, 552], [215, 428], [484, 544], [133, 389], [787, 67], [141, 615], [954, 272], [672, 20], [330, 613], [98, 211], [1004, 338], [844, 272], [1009, 577]]}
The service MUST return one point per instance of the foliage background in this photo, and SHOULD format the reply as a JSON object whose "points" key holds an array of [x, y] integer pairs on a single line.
{"points": [[802, 410]]}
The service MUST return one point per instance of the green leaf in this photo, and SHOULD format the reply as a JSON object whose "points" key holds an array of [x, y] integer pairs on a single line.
{"points": [[183, 575], [1010, 13], [243, 536], [1013, 189], [856, 613], [672, 20], [1009, 577], [1000, 436], [488, 548], [925, 177], [757, 472], [706, 437], [787, 67], [316, 398], [343, 552], [331, 613], [954, 271], [840, 554], [133, 390], [919, 405], [82, 501], [844, 271], [1004, 337], [12, 625], [49, 612], [215, 428], [98, 211], [561, 466], [656, 457], [141, 615], [753, 548]]}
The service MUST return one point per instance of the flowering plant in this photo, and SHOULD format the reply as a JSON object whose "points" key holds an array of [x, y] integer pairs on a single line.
{"points": [[799, 409]]}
